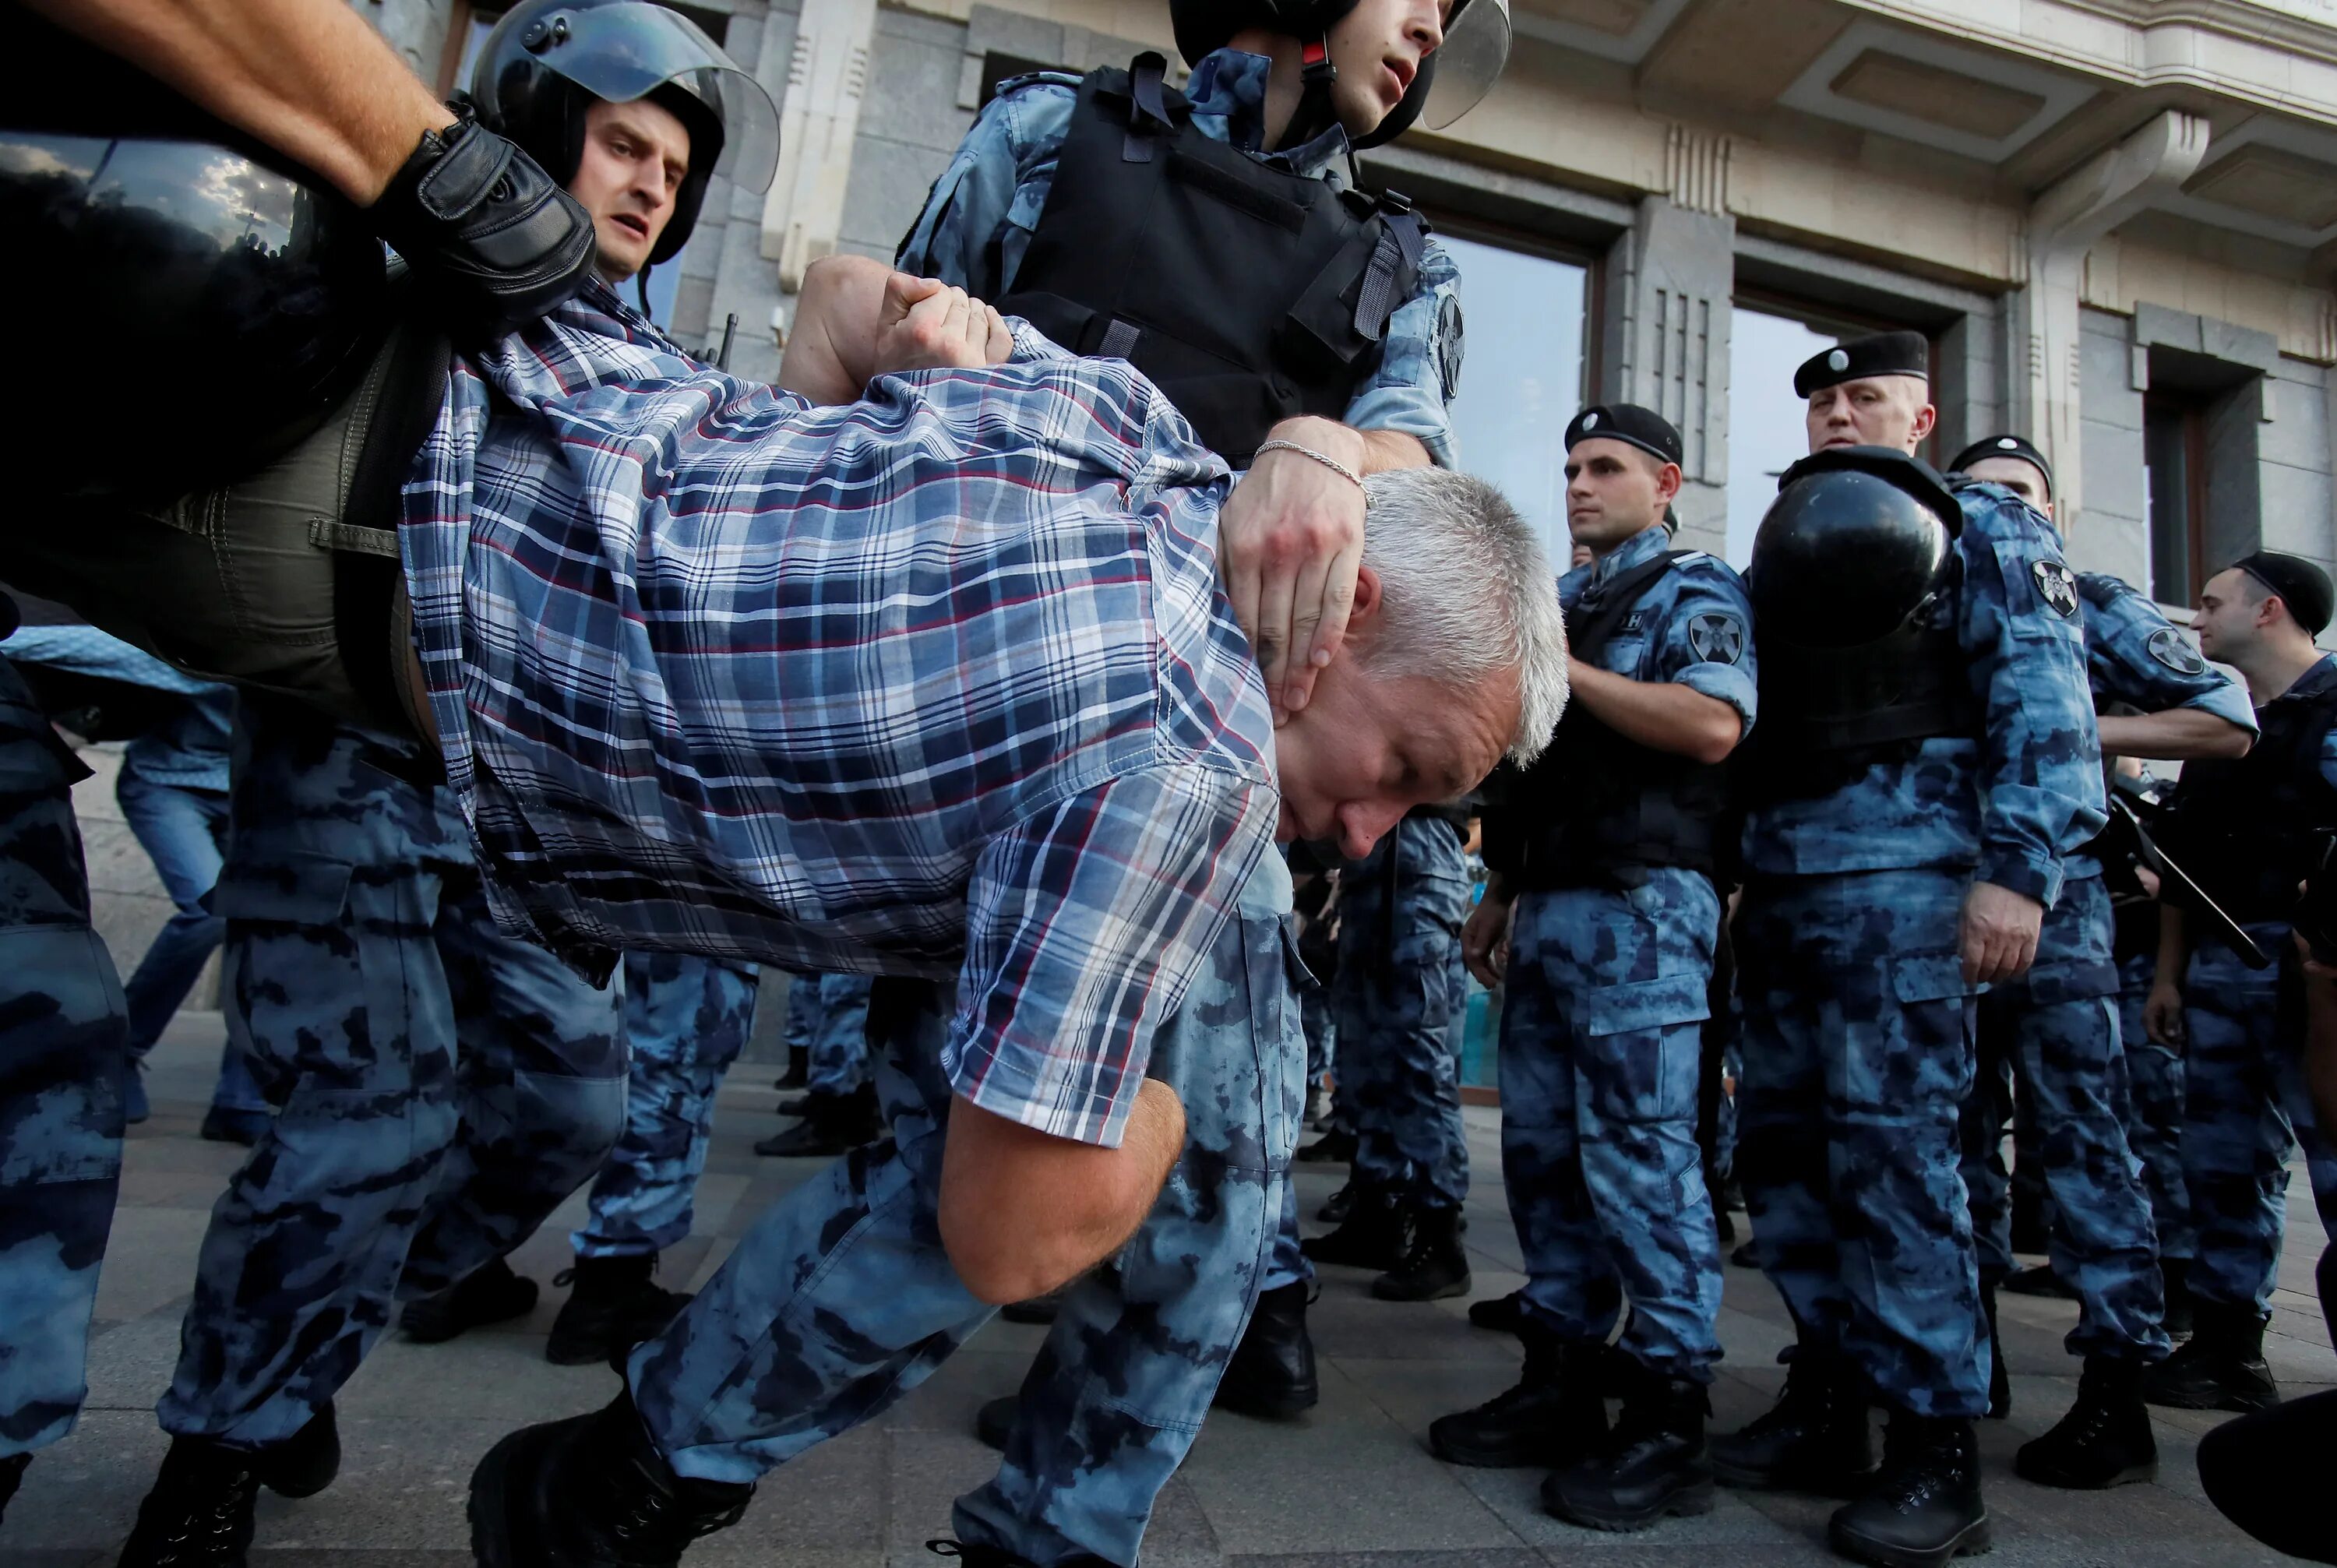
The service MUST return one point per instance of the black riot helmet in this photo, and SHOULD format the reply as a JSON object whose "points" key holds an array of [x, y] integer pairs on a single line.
{"points": [[1452, 82], [1857, 545], [197, 303], [546, 61]]}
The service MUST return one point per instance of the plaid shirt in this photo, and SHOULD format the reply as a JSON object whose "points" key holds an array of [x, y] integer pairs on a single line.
{"points": [[938, 683]]}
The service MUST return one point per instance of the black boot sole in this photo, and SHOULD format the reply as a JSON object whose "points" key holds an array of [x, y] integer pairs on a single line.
{"points": [[1394, 1287], [305, 1464], [2146, 1471], [1969, 1542], [2242, 1403], [1287, 1405], [492, 1543], [1693, 1499], [432, 1330]]}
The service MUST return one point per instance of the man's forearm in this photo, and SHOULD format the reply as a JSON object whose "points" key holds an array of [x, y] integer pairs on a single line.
{"points": [[2174, 945], [2175, 735], [1022, 1214], [1389, 449], [307, 77], [1662, 715]]}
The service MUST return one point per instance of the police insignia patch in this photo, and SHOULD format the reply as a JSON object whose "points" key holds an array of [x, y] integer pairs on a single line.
{"points": [[1715, 638], [2173, 650], [1450, 346], [2057, 587]]}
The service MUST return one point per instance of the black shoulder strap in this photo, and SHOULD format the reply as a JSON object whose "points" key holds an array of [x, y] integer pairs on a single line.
{"points": [[1148, 112], [1404, 238], [1597, 613]]}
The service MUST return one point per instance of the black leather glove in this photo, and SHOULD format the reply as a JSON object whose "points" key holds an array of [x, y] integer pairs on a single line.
{"points": [[494, 241]]}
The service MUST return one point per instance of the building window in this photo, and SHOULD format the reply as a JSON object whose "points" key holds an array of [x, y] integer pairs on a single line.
{"points": [[2174, 494], [1767, 432], [1523, 375]]}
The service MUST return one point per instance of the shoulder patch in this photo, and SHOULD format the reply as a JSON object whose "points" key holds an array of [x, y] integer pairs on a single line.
{"points": [[1716, 637], [2057, 587], [1450, 344], [2173, 650]]}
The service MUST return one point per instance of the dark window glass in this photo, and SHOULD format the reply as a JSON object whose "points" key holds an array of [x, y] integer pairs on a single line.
{"points": [[1522, 377], [2174, 455]]}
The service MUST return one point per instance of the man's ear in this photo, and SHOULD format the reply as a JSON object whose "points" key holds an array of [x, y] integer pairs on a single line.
{"points": [[1369, 598], [1668, 480], [1926, 420]]}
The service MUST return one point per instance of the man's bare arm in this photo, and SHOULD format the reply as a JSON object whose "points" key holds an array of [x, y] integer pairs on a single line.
{"points": [[1024, 1212], [858, 319], [1661, 715], [2175, 735], [307, 77]]}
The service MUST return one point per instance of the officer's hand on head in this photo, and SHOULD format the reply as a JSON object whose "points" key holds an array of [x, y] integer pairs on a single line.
{"points": [[2162, 1014], [1997, 934], [1289, 542], [1485, 939], [925, 324], [492, 239]]}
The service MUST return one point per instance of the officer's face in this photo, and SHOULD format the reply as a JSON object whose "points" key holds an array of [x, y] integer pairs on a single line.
{"points": [[1874, 411], [1377, 48], [1614, 492], [2016, 475], [2229, 610], [1368, 747], [635, 157]]}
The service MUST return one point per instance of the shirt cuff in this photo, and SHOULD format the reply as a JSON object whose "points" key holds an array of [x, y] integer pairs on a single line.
{"points": [[2031, 876]]}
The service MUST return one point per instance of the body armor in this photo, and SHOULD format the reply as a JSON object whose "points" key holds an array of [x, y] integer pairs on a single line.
{"points": [[2249, 827], [1249, 294]]}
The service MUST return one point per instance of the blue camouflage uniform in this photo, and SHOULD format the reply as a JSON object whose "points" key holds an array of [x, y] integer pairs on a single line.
{"points": [[440, 1087], [839, 1039], [2153, 1128], [61, 1058], [1858, 1019], [1399, 986], [980, 216], [842, 1299], [2245, 1100], [686, 1020], [2058, 1025], [1602, 1027]]}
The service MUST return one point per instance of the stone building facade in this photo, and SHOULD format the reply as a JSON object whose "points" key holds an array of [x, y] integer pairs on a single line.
{"points": [[2116, 220]]}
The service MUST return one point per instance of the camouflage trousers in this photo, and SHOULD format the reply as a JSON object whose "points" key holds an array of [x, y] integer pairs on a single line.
{"points": [[1858, 1054], [842, 1299], [2245, 1107], [439, 1087], [1602, 1047], [686, 1020], [2153, 1128], [1399, 984], [827, 1019], [62, 1053], [2058, 1027]]}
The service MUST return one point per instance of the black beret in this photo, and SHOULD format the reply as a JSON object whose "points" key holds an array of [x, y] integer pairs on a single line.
{"points": [[2302, 586], [2004, 447], [1884, 354], [1645, 429]]}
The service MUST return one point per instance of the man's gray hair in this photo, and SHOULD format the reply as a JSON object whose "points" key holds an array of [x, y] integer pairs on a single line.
{"points": [[1468, 593]]}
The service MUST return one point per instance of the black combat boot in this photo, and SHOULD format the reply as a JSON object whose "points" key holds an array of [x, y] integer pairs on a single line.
{"points": [[1337, 1206], [2104, 1441], [833, 1124], [614, 1306], [1272, 1372], [1925, 1505], [1553, 1417], [592, 1492], [1502, 1314], [799, 1072], [304, 1464], [1434, 1264], [199, 1513], [2171, 1277], [2039, 1279], [11, 1476], [489, 1294], [1335, 1147], [2223, 1366], [994, 1422], [1814, 1439], [1999, 1376], [1654, 1464], [1372, 1236]]}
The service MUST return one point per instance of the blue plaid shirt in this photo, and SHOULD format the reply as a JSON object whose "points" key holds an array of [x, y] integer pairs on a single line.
{"points": [[939, 683]]}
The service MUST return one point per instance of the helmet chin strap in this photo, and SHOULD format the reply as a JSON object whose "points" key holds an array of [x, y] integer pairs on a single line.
{"points": [[1316, 112]]}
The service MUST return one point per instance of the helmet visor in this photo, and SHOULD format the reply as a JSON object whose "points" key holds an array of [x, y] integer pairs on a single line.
{"points": [[1476, 47], [626, 51]]}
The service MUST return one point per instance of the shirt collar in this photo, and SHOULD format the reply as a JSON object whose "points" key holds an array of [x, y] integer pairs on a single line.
{"points": [[1643, 546], [1227, 93], [2321, 676]]}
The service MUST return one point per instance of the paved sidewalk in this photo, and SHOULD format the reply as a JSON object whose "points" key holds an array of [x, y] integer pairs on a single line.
{"points": [[1351, 1485]]}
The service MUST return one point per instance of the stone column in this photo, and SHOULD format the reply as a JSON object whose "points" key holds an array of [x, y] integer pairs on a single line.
{"points": [[1664, 339], [818, 120]]}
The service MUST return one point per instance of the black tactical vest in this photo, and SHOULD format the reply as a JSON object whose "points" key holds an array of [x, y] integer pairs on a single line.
{"points": [[1596, 803], [2245, 826], [1249, 294]]}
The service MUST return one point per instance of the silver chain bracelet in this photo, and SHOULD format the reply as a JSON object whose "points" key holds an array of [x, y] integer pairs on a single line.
{"points": [[1333, 464]]}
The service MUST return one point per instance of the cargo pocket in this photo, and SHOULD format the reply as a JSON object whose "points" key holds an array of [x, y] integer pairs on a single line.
{"points": [[2072, 980], [1639, 1062], [1921, 1053], [316, 1001]]}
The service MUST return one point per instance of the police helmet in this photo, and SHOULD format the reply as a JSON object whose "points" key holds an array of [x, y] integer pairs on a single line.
{"points": [[1452, 82], [197, 303], [1858, 543], [546, 61]]}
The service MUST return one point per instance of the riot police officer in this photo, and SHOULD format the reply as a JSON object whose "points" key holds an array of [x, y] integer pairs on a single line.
{"points": [[1927, 764], [2248, 830], [1602, 916], [1335, 328], [2056, 1029]]}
